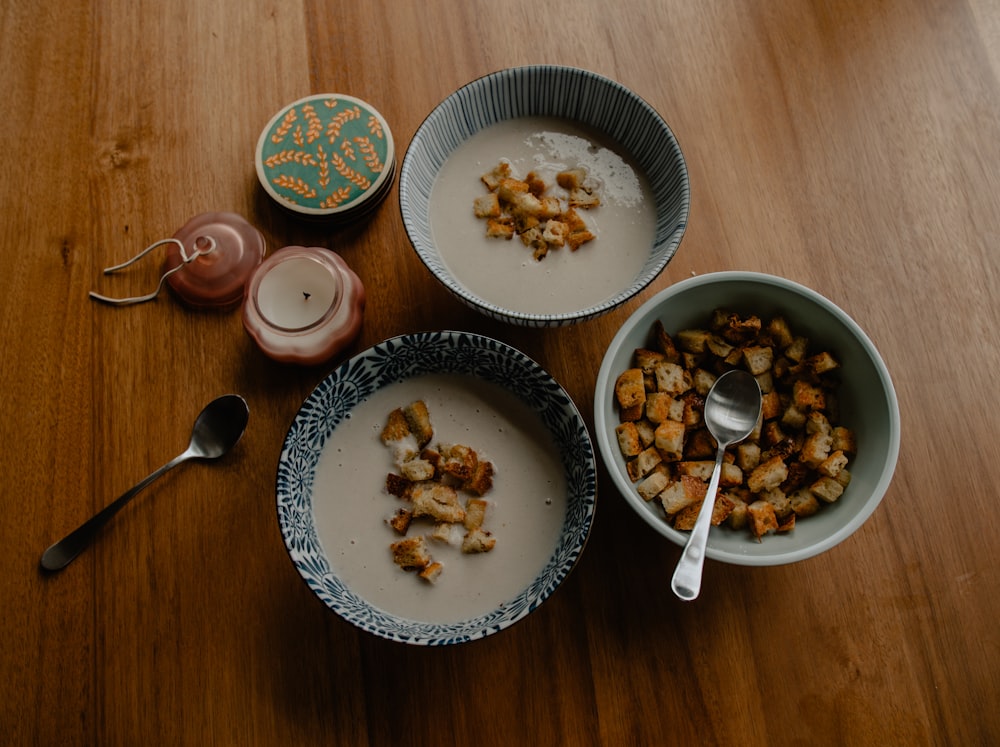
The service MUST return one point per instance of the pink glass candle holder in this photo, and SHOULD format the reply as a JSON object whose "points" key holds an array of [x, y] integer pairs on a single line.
{"points": [[303, 305]]}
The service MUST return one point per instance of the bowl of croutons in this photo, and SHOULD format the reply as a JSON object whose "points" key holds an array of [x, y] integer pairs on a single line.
{"points": [[825, 447], [436, 488], [544, 195]]}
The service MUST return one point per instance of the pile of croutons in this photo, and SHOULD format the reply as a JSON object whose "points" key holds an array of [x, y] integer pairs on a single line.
{"points": [[542, 221], [430, 482], [793, 462]]}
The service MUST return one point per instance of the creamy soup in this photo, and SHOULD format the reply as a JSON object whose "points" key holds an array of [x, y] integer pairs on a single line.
{"points": [[527, 504], [504, 272]]}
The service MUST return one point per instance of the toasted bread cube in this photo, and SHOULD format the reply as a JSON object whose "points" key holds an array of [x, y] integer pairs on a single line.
{"points": [[747, 456], [583, 197], [758, 358], [572, 219], [806, 397], [682, 493], [419, 420], [477, 541], [510, 189], [400, 520], [742, 330], [397, 485], [396, 428], [718, 346], [702, 469], [762, 518], [833, 464], [481, 480], [694, 408], [827, 489], [803, 502], [817, 422], [658, 407], [665, 343], [492, 178], [821, 363], [571, 178], [699, 445], [551, 209], [647, 359], [643, 464], [731, 476], [646, 431], [576, 239], [436, 501], [777, 498], [843, 440], [632, 414], [499, 228], [410, 554], [793, 418], [672, 379], [442, 532], [669, 440], [431, 573], [769, 474], [765, 381], [738, 516], [796, 351], [770, 405], [779, 332], [844, 477], [459, 461], [555, 233], [685, 519], [786, 523], [475, 513], [653, 485], [693, 340], [536, 185], [486, 206], [816, 449], [702, 381], [630, 389], [628, 439], [416, 470]]}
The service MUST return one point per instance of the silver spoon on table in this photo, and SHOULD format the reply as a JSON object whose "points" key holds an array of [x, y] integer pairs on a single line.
{"points": [[217, 429], [731, 412]]}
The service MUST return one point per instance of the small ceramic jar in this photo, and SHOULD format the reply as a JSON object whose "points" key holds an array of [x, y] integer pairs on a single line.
{"points": [[303, 305]]}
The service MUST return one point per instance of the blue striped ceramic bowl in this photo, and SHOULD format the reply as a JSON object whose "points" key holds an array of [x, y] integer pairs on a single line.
{"points": [[584, 98], [407, 357]]}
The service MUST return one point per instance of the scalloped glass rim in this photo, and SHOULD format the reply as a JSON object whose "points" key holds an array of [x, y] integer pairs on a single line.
{"points": [[401, 358], [868, 404], [547, 90]]}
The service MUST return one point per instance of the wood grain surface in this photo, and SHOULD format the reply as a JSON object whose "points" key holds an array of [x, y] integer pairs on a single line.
{"points": [[849, 145]]}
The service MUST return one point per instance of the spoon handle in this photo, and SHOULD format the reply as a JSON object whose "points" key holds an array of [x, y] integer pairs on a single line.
{"points": [[686, 582], [59, 555]]}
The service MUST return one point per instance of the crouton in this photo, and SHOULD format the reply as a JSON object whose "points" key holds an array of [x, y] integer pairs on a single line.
{"points": [[643, 464], [827, 489], [758, 358], [477, 541], [833, 464], [653, 485], [693, 340], [555, 233], [396, 428], [486, 206], [576, 239], [416, 470], [803, 502], [762, 518], [492, 178], [685, 519], [628, 439], [669, 440], [436, 501], [499, 228], [397, 485], [400, 520], [571, 178], [419, 421], [475, 513], [411, 553], [659, 406], [481, 480], [682, 493], [431, 573], [630, 390], [770, 474], [671, 378], [458, 461]]}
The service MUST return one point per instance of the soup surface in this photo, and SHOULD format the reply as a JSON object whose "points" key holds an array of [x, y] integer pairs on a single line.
{"points": [[527, 505], [504, 272]]}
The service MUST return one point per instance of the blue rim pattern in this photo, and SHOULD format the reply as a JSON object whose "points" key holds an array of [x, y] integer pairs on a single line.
{"points": [[402, 358], [547, 90]]}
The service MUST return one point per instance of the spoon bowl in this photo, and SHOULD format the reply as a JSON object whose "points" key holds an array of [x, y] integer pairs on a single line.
{"points": [[732, 410], [217, 430]]}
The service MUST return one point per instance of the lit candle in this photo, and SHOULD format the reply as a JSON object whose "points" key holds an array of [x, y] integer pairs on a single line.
{"points": [[303, 305]]}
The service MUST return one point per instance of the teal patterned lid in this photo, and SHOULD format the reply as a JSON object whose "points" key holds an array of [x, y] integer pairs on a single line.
{"points": [[326, 155]]}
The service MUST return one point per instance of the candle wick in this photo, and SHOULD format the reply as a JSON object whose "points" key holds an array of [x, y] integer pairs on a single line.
{"points": [[306, 295]]}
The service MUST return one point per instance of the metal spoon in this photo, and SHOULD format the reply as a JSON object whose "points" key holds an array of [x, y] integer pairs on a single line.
{"points": [[731, 412], [217, 429]]}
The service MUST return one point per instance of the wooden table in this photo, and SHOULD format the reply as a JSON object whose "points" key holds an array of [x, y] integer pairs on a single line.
{"points": [[852, 146]]}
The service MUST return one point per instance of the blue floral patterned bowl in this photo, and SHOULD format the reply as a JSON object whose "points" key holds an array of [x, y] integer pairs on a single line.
{"points": [[400, 359], [585, 99]]}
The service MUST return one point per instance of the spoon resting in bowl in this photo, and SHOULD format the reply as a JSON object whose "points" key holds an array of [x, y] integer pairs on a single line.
{"points": [[217, 429], [732, 409]]}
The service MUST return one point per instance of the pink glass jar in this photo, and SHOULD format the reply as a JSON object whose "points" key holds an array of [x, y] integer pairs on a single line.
{"points": [[303, 305]]}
